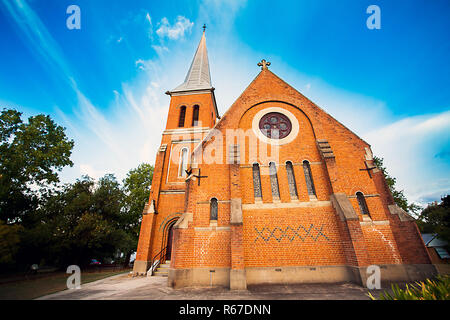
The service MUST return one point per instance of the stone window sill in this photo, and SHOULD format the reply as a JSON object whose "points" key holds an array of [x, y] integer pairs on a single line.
{"points": [[258, 200], [213, 223]]}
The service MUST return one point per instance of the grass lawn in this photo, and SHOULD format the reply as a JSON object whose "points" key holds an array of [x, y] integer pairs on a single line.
{"points": [[35, 288]]}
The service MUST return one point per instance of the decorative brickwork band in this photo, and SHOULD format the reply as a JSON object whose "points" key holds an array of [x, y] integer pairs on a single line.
{"points": [[290, 234]]}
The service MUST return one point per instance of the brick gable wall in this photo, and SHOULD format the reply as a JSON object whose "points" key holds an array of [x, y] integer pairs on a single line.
{"points": [[286, 232]]}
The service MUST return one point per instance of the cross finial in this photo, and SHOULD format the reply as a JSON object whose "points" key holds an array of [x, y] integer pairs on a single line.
{"points": [[204, 27], [264, 64]]}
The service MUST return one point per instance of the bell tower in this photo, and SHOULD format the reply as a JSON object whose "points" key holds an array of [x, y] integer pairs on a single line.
{"points": [[193, 104], [192, 114]]}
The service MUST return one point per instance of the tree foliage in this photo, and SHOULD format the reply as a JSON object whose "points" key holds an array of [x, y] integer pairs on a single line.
{"points": [[87, 220], [44, 222], [435, 218], [137, 191], [9, 243], [31, 154], [82, 221]]}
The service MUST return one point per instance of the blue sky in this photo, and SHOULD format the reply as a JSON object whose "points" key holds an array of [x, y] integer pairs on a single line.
{"points": [[105, 83]]}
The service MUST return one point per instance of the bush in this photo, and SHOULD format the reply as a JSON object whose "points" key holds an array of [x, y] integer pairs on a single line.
{"points": [[438, 289]]}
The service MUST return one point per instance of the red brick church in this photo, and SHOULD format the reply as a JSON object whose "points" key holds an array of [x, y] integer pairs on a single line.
{"points": [[274, 191]]}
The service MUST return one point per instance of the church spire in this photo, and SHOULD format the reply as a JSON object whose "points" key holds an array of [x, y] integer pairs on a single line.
{"points": [[198, 77]]}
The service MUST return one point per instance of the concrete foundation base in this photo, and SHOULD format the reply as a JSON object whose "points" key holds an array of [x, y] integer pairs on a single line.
{"points": [[297, 275], [443, 269], [202, 277], [240, 279], [141, 267], [396, 273]]}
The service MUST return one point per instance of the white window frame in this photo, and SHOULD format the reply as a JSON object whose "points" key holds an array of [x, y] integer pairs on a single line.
{"points": [[182, 171]]}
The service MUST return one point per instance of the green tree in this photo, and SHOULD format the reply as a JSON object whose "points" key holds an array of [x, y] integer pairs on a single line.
{"points": [[399, 196], [137, 189], [109, 201], [9, 243], [79, 222], [31, 154], [88, 219], [435, 218], [52, 237]]}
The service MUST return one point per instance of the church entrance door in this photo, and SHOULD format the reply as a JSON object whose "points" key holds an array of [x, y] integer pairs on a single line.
{"points": [[169, 243]]}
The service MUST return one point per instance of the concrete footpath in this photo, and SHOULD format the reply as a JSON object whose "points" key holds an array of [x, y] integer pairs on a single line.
{"points": [[123, 287]]}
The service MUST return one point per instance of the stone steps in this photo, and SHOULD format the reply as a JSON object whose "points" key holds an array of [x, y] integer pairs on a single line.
{"points": [[163, 270]]}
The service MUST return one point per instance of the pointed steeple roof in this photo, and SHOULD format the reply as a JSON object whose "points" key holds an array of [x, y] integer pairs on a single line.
{"points": [[198, 77]]}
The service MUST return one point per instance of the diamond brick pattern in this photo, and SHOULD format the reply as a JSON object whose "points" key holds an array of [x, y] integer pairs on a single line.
{"points": [[290, 234]]}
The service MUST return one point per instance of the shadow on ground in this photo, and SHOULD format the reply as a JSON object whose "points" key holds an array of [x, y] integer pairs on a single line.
{"points": [[123, 287]]}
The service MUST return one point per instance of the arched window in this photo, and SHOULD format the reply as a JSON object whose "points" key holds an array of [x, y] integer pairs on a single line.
{"points": [[195, 116], [291, 180], [274, 180], [182, 116], [309, 179], [213, 210], [362, 203], [183, 162], [257, 181]]}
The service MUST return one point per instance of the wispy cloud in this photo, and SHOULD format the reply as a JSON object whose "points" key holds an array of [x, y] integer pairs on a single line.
{"points": [[178, 30], [38, 38], [132, 23], [160, 50], [86, 169], [104, 142], [409, 147], [148, 18], [140, 64]]}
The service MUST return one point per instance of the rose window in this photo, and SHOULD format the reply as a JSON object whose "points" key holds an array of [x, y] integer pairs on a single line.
{"points": [[275, 125]]}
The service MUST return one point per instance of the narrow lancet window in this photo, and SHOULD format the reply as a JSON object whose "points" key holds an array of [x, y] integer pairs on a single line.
{"points": [[291, 180], [183, 162], [213, 210], [182, 116], [309, 179], [362, 203], [274, 180], [257, 181], [195, 116]]}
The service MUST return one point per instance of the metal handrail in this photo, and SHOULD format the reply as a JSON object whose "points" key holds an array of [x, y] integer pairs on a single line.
{"points": [[162, 256]]}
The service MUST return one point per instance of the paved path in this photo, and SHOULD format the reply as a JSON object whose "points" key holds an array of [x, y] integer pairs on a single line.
{"points": [[122, 287]]}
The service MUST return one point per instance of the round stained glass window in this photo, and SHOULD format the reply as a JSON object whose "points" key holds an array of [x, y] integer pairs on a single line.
{"points": [[275, 125]]}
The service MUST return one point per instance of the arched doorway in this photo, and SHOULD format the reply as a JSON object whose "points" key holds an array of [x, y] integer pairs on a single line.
{"points": [[167, 238], [169, 242]]}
